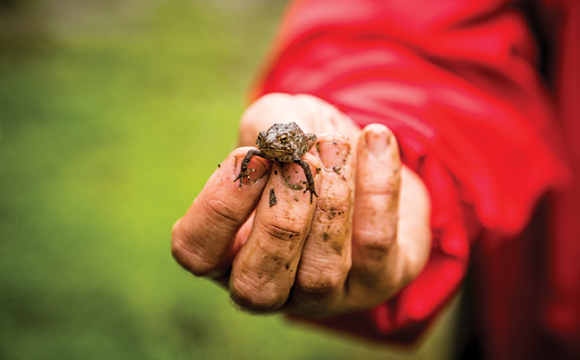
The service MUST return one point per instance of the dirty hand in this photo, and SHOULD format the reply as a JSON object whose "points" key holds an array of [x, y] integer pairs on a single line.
{"points": [[351, 249]]}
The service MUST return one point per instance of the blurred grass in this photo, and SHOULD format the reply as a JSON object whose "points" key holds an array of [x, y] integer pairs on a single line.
{"points": [[112, 115]]}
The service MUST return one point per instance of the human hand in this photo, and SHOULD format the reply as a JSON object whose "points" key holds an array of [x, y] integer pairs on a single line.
{"points": [[351, 249]]}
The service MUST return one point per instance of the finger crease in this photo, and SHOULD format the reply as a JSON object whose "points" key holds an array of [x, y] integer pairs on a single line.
{"points": [[223, 212]]}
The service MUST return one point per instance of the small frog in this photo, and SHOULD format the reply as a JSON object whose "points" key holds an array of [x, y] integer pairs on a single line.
{"points": [[284, 143]]}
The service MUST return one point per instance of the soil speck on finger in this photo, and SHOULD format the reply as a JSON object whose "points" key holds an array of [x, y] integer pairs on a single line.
{"points": [[273, 200], [337, 247]]}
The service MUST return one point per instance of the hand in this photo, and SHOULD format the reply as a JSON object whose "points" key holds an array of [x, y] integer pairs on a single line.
{"points": [[351, 249]]}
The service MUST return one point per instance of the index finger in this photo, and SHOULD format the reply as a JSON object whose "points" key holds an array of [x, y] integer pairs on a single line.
{"points": [[202, 240]]}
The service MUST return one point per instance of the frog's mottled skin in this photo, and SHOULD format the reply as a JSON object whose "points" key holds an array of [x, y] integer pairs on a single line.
{"points": [[284, 143]]}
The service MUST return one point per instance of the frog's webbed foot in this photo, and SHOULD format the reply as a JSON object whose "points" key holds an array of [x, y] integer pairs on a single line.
{"points": [[310, 187], [244, 170], [309, 178], [242, 175]]}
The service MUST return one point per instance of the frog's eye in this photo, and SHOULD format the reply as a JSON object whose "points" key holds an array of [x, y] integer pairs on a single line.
{"points": [[260, 138], [283, 138]]}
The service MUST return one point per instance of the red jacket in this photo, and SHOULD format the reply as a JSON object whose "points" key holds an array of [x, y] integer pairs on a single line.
{"points": [[484, 97]]}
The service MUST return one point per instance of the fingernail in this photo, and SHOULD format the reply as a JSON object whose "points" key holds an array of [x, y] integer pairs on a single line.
{"points": [[333, 154], [378, 141]]}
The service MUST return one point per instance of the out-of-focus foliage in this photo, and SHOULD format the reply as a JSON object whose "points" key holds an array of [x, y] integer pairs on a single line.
{"points": [[112, 115]]}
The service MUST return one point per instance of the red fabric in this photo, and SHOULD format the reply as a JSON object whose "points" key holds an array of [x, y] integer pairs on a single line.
{"points": [[457, 82]]}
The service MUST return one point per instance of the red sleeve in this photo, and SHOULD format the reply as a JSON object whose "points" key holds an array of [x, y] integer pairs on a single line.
{"points": [[456, 82]]}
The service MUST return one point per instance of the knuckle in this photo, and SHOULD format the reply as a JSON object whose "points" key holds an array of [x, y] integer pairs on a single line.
{"points": [[378, 234], [320, 282], [250, 295], [191, 260], [222, 213], [283, 229], [381, 189], [374, 247], [378, 243]]}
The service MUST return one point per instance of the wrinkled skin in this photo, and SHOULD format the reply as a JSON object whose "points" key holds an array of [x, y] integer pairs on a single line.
{"points": [[353, 248]]}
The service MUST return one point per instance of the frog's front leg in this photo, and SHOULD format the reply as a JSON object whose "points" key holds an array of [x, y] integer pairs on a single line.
{"points": [[244, 171], [309, 178]]}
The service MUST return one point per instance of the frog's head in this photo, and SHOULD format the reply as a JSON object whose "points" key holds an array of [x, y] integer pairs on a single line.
{"points": [[277, 142]]}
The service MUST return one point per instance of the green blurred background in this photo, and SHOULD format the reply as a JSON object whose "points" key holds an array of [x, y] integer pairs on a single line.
{"points": [[112, 115]]}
